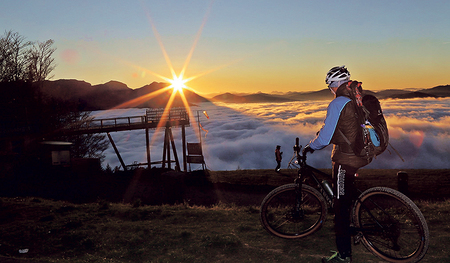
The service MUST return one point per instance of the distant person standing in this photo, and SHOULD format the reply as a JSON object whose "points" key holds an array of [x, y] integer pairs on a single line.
{"points": [[278, 157]]}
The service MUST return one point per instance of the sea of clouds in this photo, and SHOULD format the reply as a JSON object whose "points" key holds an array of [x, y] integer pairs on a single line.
{"points": [[244, 136]]}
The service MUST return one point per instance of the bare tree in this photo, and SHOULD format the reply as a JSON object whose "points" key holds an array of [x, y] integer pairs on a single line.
{"points": [[14, 57], [41, 62], [22, 60]]}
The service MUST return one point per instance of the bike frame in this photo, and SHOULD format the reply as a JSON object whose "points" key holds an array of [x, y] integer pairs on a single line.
{"points": [[310, 172], [306, 171]]}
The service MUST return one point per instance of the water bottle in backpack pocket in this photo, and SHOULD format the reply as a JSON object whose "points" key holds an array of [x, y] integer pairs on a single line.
{"points": [[373, 134], [373, 138]]}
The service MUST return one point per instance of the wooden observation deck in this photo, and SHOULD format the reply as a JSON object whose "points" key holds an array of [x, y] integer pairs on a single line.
{"points": [[153, 118], [175, 117]]}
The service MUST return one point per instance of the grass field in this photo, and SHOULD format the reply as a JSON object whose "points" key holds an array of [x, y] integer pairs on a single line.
{"points": [[60, 231], [421, 182], [56, 231]]}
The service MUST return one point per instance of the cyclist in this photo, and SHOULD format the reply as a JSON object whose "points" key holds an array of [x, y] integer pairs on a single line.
{"points": [[340, 116]]}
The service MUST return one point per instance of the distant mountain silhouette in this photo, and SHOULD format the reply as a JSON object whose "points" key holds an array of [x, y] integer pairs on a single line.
{"points": [[411, 95], [251, 98], [384, 94], [439, 91], [229, 98], [325, 94], [114, 94]]}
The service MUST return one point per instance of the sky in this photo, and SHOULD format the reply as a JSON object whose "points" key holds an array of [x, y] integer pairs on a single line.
{"points": [[244, 136], [241, 45]]}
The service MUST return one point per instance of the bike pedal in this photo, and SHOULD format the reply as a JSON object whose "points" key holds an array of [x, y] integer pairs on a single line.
{"points": [[357, 238]]}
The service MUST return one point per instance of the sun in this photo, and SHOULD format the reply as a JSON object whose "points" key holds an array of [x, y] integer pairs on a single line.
{"points": [[177, 83]]}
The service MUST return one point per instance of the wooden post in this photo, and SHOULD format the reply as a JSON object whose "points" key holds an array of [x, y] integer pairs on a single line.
{"points": [[169, 165], [164, 149], [147, 143], [183, 141], [174, 149], [402, 182], [117, 152]]}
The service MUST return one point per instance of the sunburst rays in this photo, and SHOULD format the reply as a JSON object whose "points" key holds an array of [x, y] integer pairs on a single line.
{"points": [[177, 82]]}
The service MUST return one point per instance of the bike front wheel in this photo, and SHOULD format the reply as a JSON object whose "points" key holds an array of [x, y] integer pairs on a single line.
{"points": [[288, 214], [390, 225]]}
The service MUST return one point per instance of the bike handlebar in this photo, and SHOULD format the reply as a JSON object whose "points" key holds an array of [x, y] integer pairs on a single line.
{"points": [[300, 158], [297, 147]]}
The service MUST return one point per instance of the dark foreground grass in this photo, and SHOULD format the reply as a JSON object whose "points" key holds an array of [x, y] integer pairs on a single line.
{"points": [[56, 231]]}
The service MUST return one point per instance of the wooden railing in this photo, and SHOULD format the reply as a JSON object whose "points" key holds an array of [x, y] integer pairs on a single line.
{"points": [[173, 118]]}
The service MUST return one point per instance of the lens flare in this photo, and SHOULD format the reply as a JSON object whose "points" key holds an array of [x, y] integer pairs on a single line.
{"points": [[177, 83]]}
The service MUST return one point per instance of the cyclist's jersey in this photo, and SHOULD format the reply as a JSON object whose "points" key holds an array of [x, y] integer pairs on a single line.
{"points": [[340, 115], [326, 133]]}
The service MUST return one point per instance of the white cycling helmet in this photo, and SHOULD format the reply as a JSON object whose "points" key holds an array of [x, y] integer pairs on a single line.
{"points": [[337, 74]]}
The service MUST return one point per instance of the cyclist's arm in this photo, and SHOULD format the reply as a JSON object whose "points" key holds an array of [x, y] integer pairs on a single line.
{"points": [[334, 110]]}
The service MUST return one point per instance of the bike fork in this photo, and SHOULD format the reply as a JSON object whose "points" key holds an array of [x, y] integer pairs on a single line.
{"points": [[298, 210]]}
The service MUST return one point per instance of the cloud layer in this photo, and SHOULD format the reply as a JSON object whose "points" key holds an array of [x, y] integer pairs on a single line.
{"points": [[244, 136]]}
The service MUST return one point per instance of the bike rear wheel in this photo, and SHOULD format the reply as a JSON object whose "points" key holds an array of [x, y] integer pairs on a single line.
{"points": [[391, 226], [286, 214]]}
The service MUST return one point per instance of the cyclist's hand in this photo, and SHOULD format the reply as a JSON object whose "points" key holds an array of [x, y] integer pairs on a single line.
{"points": [[307, 149]]}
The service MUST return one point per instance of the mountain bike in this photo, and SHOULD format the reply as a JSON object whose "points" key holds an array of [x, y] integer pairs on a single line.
{"points": [[386, 221]]}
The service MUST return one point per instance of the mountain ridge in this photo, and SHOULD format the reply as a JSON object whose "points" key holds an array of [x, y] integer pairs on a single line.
{"points": [[325, 94], [115, 94]]}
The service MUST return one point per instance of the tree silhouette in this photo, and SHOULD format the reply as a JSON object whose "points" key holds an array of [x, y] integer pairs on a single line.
{"points": [[84, 145], [22, 60], [14, 57], [40, 61], [27, 117]]}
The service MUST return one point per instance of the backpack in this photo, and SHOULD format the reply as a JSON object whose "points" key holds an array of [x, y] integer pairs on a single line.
{"points": [[373, 138]]}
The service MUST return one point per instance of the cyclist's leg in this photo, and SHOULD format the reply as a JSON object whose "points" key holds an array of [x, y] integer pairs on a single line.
{"points": [[345, 189]]}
